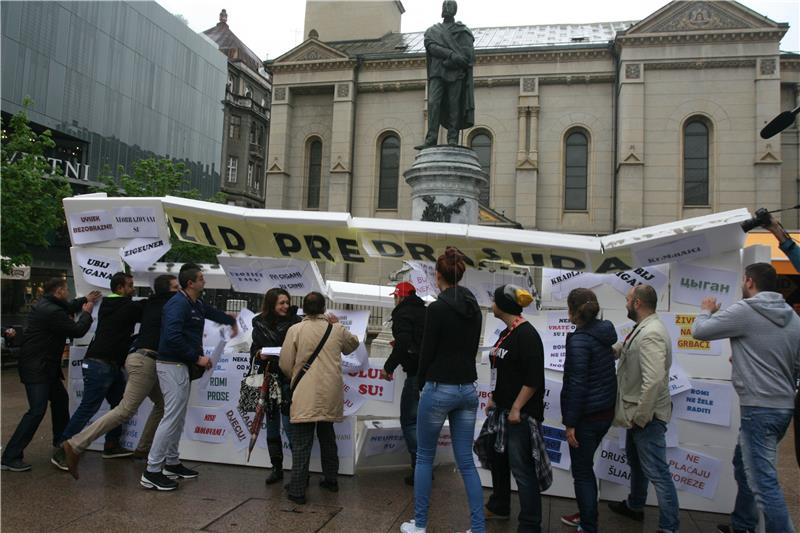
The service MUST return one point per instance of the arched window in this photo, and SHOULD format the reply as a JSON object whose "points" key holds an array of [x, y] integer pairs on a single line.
{"points": [[481, 142], [695, 163], [576, 170], [389, 172], [314, 173]]}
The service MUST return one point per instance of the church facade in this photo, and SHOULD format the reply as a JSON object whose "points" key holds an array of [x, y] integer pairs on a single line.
{"points": [[584, 128]]}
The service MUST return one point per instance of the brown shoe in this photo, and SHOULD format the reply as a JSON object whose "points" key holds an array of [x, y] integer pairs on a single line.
{"points": [[72, 458]]}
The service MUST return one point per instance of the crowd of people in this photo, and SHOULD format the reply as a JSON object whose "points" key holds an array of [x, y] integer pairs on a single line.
{"points": [[606, 382]]}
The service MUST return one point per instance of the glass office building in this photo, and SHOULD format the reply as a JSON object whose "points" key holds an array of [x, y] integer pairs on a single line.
{"points": [[115, 82]]}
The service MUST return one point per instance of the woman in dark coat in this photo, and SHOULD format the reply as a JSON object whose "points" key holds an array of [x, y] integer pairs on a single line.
{"points": [[587, 398], [269, 331]]}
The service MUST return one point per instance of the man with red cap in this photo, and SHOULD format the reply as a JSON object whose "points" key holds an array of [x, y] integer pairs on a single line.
{"points": [[408, 325]]}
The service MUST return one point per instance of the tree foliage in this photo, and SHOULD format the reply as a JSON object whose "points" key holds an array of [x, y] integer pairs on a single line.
{"points": [[31, 193], [162, 177]]}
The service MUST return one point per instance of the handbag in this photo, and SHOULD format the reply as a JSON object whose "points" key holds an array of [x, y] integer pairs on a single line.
{"points": [[250, 389], [287, 402]]}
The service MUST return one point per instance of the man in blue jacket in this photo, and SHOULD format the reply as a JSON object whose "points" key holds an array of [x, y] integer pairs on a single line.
{"points": [[785, 241], [180, 346]]}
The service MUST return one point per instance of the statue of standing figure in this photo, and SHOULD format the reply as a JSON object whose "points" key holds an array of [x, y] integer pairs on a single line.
{"points": [[450, 55]]}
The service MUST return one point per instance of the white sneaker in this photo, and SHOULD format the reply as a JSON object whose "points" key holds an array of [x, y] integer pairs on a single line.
{"points": [[410, 527]]}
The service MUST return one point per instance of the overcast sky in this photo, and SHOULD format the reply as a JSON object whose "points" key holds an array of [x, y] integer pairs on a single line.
{"points": [[273, 27]]}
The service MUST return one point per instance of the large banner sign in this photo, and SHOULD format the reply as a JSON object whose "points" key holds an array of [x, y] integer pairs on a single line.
{"points": [[337, 237]]}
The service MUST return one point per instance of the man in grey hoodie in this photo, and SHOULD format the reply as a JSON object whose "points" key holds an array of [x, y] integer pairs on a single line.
{"points": [[765, 340]]}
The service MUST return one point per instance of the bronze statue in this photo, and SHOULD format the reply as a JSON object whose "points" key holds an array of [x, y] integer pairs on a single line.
{"points": [[450, 54]]}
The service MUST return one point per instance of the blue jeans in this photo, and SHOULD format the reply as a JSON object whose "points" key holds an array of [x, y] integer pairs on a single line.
{"points": [[274, 440], [458, 404], [101, 381], [589, 434], [754, 460], [646, 449], [409, 404], [517, 460], [39, 394]]}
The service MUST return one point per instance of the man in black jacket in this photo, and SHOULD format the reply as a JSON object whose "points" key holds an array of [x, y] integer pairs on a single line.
{"points": [[408, 326], [48, 326], [142, 382], [102, 365]]}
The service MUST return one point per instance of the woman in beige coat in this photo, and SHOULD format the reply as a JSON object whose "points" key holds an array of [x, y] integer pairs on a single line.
{"points": [[318, 399]]}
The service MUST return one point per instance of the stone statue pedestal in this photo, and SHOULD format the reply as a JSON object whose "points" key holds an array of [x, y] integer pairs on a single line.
{"points": [[445, 184]]}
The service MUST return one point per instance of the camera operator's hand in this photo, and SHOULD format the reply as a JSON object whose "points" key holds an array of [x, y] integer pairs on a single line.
{"points": [[776, 229]]}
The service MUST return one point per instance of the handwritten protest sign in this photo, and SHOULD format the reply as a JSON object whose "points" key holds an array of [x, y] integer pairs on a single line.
{"points": [[707, 402], [354, 321], [381, 440], [558, 283], [91, 226], [552, 400], [612, 463], [683, 249]]}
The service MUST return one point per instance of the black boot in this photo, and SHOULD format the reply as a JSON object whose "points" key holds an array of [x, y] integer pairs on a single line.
{"points": [[277, 471], [410, 478]]}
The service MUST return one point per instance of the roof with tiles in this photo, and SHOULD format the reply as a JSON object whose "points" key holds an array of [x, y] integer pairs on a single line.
{"points": [[231, 45], [501, 38]]}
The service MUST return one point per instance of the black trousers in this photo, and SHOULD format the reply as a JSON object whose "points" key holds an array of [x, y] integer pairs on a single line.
{"points": [[302, 440], [39, 394], [438, 91]]}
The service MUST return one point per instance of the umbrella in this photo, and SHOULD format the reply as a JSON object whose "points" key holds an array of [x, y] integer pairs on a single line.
{"points": [[255, 427]]}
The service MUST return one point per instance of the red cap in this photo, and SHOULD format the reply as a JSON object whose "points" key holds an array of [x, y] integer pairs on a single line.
{"points": [[404, 288]]}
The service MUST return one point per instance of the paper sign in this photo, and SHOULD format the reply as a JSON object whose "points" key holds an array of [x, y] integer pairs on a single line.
{"points": [[624, 329], [206, 424], [91, 226], [135, 222], [97, 269], [369, 384], [555, 441], [555, 339], [354, 321], [213, 354], [678, 380], [140, 254], [76, 354], [357, 361], [423, 278], [560, 283], [244, 324], [690, 284], [345, 433], [484, 395], [694, 472], [679, 326], [706, 402], [238, 429], [612, 464], [256, 275], [353, 401], [383, 440], [552, 400], [655, 276], [693, 247]]}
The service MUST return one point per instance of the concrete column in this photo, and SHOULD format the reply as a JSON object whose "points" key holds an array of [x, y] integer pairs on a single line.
{"points": [[279, 146], [767, 164], [341, 171], [630, 151], [526, 173]]}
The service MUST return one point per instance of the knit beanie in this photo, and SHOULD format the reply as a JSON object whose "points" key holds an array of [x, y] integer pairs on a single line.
{"points": [[511, 299]]}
